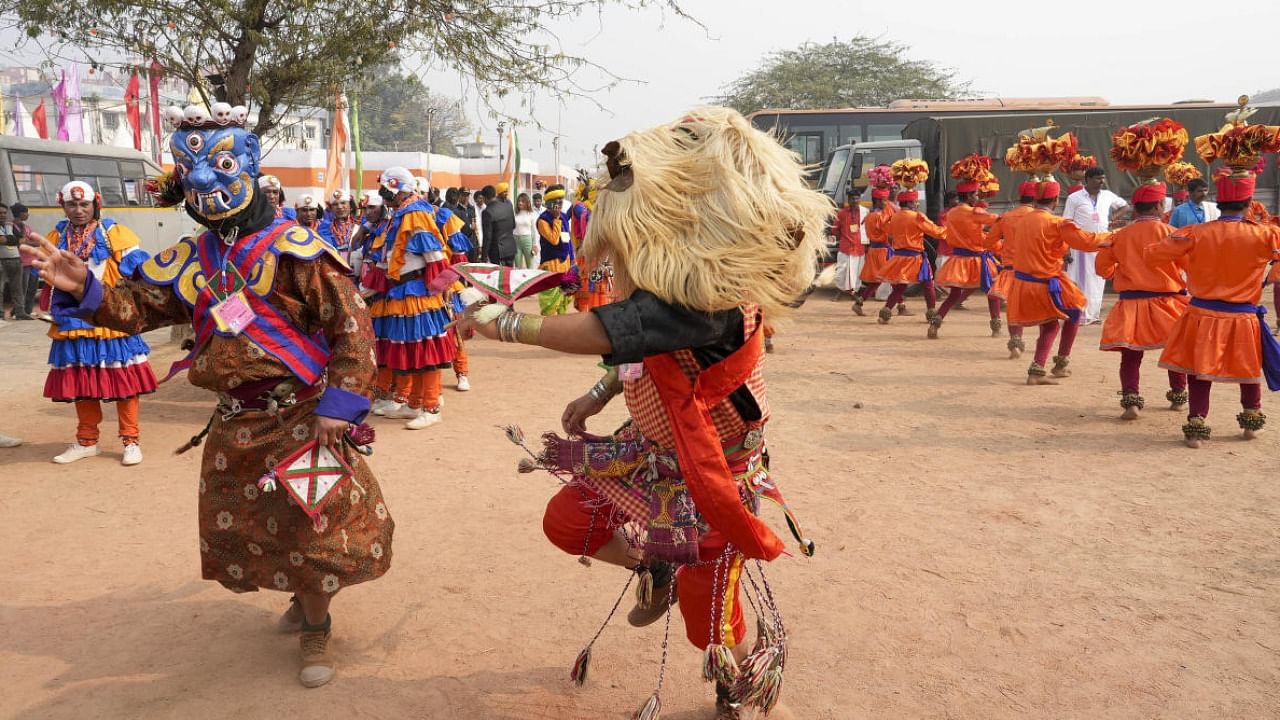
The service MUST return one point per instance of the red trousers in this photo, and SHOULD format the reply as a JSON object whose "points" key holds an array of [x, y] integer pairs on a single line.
{"points": [[568, 525]]}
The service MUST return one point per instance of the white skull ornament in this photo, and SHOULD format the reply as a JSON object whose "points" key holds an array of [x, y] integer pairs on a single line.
{"points": [[174, 116], [196, 115], [239, 114], [222, 113]]}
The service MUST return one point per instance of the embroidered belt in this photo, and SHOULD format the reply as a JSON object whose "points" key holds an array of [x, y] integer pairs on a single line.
{"points": [[266, 396]]}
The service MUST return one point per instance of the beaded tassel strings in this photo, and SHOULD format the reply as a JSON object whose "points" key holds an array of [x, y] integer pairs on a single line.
{"points": [[718, 663], [582, 664], [652, 708], [759, 681]]}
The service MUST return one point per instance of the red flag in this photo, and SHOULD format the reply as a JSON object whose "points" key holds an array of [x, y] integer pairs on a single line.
{"points": [[41, 122], [156, 71], [131, 110]]}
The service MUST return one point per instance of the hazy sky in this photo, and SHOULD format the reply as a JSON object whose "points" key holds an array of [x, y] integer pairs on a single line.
{"points": [[1123, 56]]}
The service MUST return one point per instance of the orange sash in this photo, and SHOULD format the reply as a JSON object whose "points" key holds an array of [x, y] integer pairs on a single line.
{"points": [[698, 447]]}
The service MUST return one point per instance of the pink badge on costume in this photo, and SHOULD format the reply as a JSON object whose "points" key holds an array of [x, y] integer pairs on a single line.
{"points": [[628, 372], [233, 315]]}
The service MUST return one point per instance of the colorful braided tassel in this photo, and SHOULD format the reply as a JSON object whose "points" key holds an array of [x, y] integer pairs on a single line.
{"points": [[770, 690], [719, 665], [580, 666], [644, 589], [651, 710]]}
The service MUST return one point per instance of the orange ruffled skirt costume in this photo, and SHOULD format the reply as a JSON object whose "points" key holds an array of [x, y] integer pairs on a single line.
{"points": [[1142, 323], [965, 272], [1031, 304], [903, 269], [1215, 346], [873, 266]]}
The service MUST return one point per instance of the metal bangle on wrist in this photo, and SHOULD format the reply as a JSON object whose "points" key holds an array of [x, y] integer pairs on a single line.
{"points": [[518, 327]]}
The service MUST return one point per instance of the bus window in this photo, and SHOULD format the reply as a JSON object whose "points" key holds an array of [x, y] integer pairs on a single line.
{"points": [[877, 133], [135, 178], [38, 177], [83, 167], [808, 146], [111, 189], [834, 171]]}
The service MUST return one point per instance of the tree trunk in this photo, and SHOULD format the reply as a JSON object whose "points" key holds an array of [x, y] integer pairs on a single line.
{"points": [[237, 72]]}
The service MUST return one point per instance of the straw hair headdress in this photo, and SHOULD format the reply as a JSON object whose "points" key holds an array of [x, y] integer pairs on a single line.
{"points": [[708, 213]]}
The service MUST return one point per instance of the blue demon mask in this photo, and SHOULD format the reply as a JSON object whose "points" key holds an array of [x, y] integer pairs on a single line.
{"points": [[218, 168]]}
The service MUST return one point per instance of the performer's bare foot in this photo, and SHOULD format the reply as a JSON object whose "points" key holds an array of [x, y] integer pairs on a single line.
{"points": [[1195, 431], [1060, 369], [1040, 380], [1130, 413], [902, 310], [857, 309], [1251, 422], [934, 325], [1014, 353]]}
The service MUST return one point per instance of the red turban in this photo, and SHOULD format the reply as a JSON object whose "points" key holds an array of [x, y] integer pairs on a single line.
{"points": [[1181, 195], [1049, 190], [882, 193], [1234, 189], [1027, 189], [1149, 193], [967, 187], [908, 196]]}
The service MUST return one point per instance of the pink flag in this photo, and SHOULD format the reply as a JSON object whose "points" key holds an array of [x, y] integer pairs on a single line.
{"points": [[131, 110], [66, 97]]}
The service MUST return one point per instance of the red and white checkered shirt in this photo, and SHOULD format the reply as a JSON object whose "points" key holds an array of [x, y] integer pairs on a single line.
{"points": [[650, 416]]}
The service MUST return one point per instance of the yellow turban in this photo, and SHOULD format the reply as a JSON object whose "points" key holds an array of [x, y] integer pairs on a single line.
{"points": [[557, 194], [502, 187]]}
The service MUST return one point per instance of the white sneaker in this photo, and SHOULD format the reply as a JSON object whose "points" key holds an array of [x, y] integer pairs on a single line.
{"points": [[132, 454], [380, 406], [425, 419], [7, 441], [463, 383], [76, 451], [400, 411]]}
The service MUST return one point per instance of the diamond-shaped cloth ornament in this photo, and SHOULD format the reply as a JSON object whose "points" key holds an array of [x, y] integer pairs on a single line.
{"points": [[312, 476], [504, 284]]}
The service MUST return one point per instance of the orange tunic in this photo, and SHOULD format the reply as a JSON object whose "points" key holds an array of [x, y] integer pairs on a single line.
{"points": [[1039, 242], [877, 227], [964, 233], [1226, 260], [907, 229], [1141, 323], [996, 243]]}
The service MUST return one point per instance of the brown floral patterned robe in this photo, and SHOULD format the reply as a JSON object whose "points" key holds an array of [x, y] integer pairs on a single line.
{"points": [[251, 539]]}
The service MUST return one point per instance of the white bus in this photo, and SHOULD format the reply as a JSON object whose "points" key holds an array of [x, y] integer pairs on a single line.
{"points": [[32, 171]]}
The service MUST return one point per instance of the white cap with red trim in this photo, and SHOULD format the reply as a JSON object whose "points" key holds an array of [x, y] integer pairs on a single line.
{"points": [[78, 190]]}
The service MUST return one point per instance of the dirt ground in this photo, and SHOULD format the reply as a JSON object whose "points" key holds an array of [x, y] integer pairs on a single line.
{"points": [[985, 550]]}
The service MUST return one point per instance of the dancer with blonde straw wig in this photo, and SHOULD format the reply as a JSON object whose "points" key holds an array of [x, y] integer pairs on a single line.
{"points": [[711, 231]]}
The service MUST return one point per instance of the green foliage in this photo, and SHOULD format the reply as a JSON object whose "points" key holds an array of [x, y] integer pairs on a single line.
{"points": [[862, 71], [394, 115], [276, 55]]}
